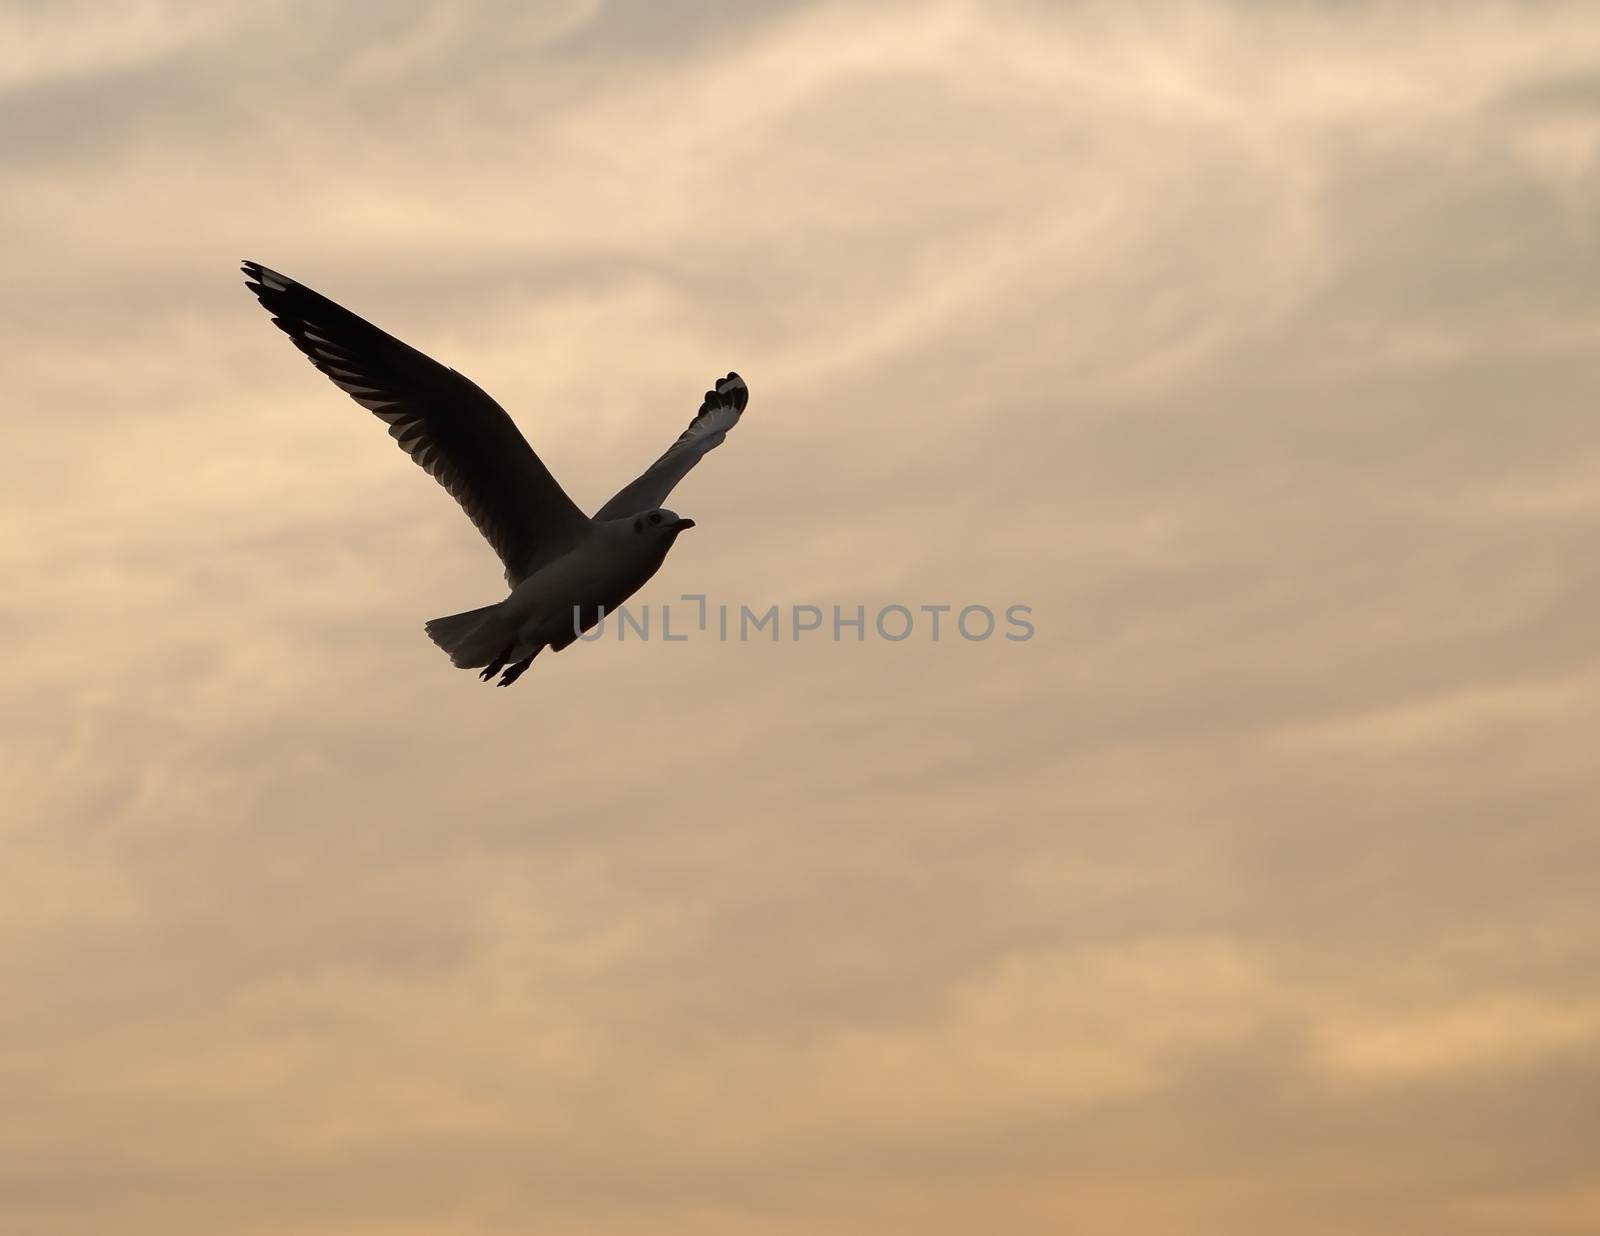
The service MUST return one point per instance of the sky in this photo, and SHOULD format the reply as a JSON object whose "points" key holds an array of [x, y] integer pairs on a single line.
{"points": [[1255, 349]]}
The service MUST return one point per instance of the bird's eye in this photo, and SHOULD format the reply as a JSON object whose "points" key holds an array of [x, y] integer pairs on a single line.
{"points": [[638, 524], [656, 518]]}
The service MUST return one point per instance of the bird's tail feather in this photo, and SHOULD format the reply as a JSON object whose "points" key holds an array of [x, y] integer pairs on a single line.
{"points": [[471, 639]]}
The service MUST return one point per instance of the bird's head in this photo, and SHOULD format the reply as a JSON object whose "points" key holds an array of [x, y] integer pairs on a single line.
{"points": [[660, 524]]}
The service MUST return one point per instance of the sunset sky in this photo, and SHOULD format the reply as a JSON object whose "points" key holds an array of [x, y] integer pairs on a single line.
{"points": [[1255, 347]]}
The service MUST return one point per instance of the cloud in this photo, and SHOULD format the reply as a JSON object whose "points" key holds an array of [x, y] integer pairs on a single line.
{"points": [[1253, 350]]}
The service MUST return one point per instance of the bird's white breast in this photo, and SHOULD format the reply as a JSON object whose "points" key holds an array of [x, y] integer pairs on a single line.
{"points": [[604, 568]]}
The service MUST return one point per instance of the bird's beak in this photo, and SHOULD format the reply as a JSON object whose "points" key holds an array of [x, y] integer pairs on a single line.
{"points": [[682, 524]]}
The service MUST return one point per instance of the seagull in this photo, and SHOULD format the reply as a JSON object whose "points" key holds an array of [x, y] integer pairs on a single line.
{"points": [[565, 569]]}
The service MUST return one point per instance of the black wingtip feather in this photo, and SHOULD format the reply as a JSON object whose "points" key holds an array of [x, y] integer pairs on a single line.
{"points": [[263, 281], [730, 390]]}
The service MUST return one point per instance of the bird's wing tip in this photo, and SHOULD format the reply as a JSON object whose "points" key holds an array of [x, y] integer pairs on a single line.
{"points": [[731, 389], [265, 276]]}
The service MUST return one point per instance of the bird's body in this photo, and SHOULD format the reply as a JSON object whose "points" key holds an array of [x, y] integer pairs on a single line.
{"points": [[552, 606], [565, 570]]}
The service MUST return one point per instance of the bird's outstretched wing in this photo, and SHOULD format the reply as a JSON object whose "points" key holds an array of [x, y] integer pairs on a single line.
{"points": [[451, 428], [718, 413]]}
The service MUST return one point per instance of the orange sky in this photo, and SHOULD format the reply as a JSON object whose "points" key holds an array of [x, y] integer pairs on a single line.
{"points": [[1256, 348]]}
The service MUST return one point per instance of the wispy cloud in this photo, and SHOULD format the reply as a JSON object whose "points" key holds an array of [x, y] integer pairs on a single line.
{"points": [[1256, 350]]}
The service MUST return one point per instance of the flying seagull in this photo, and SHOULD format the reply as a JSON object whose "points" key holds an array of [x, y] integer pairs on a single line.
{"points": [[565, 569]]}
